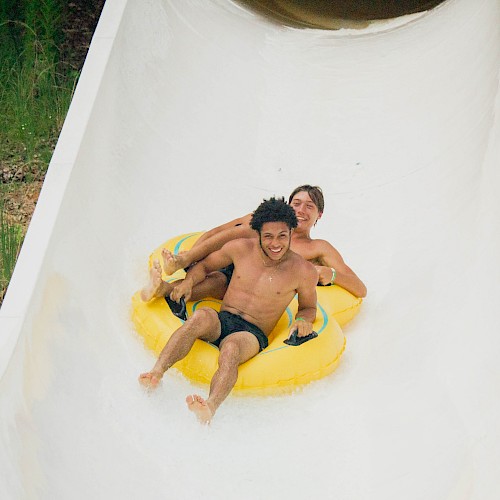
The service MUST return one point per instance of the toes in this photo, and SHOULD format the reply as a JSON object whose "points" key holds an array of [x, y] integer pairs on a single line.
{"points": [[157, 272], [194, 398], [149, 379]]}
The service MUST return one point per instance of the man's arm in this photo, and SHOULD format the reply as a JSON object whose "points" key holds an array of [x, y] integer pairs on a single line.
{"points": [[216, 260], [307, 299], [217, 237], [345, 276]]}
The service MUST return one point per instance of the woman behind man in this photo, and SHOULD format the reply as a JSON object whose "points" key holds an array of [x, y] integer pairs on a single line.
{"points": [[308, 204]]}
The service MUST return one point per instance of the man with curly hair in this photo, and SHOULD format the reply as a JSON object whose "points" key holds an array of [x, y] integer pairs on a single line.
{"points": [[267, 275]]}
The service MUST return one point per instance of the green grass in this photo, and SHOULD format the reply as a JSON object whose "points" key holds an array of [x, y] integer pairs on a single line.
{"points": [[36, 87], [10, 244]]}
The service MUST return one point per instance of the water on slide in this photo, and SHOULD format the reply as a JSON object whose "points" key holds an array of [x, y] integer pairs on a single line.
{"points": [[187, 114]]}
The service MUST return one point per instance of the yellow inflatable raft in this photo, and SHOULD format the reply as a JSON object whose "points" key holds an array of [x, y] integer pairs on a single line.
{"points": [[279, 368]]}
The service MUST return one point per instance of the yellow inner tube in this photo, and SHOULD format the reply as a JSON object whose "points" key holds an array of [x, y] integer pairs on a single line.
{"points": [[279, 368]]}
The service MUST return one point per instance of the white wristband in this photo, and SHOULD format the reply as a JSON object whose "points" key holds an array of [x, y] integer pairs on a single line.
{"points": [[334, 274]]}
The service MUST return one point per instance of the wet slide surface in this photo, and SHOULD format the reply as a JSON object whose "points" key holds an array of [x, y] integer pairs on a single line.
{"points": [[187, 114]]}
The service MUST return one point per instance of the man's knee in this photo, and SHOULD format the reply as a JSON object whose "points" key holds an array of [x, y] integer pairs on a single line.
{"points": [[238, 348], [229, 354], [202, 320]]}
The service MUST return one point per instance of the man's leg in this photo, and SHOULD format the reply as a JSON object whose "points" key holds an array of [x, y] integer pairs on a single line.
{"points": [[214, 285], [156, 287], [172, 262], [234, 350], [204, 324]]}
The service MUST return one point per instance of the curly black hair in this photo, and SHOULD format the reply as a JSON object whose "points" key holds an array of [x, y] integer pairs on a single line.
{"points": [[273, 210]]}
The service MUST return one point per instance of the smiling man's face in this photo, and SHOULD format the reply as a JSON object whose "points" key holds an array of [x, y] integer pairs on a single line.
{"points": [[305, 209], [275, 239]]}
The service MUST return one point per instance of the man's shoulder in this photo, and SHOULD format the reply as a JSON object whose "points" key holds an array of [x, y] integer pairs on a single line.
{"points": [[299, 261], [319, 243], [322, 250], [240, 244], [303, 271]]}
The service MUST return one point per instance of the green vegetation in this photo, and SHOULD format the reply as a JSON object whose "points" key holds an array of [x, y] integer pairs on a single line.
{"points": [[36, 86], [10, 243]]}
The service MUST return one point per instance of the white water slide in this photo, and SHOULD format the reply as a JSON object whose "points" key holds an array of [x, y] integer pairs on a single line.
{"points": [[188, 114]]}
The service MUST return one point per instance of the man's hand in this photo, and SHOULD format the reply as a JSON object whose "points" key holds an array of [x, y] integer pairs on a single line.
{"points": [[302, 326], [183, 289], [325, 275]]}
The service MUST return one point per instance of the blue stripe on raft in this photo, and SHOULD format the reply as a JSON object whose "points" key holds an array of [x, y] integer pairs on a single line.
{"points": [[198, 302], [325, 317], [180, 242], [290, 318], [323, 326]]}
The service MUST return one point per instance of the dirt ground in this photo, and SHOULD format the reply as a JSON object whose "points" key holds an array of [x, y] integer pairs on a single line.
{"points": [[20, 202]]}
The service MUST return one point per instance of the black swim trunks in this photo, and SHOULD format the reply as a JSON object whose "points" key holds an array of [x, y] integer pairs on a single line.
{"points": [[231, 323]]}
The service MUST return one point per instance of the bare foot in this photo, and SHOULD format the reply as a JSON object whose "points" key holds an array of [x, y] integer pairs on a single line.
{"points": [[155, 282], [200, 408], [171, 262], [150, 380]]}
